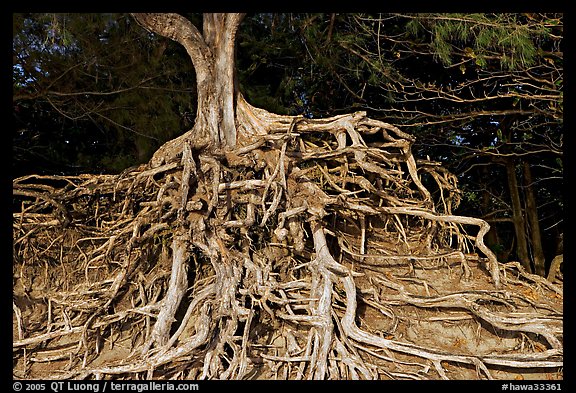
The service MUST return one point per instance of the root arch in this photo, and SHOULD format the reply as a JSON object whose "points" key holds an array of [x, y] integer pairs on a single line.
{"points": [[314, 249]]}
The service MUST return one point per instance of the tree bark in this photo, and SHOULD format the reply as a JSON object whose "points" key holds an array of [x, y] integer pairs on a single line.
{"points": [[532, 216], [492, 240], [212, 54], [517, 216], [220, 35]]}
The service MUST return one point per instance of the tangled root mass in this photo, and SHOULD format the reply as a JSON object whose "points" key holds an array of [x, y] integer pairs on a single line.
{"points": [[320, 250]]}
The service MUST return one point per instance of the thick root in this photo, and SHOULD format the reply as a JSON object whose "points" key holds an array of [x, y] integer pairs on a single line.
{"points": [[317, 249]]}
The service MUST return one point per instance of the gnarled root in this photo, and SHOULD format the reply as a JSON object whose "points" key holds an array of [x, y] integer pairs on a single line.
{"points": [[317, 249]]}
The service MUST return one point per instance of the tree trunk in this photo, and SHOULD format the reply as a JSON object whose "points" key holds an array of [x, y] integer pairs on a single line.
{"points": [[212, 54], [492, 240], [220, 35], [517, 216], [532, 216]]}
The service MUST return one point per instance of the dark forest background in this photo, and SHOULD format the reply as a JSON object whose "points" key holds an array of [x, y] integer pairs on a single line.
{"points": [[483, 94]]}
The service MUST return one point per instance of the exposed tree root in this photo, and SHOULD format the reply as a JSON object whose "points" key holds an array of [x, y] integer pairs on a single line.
{"points": [[317, 249]]}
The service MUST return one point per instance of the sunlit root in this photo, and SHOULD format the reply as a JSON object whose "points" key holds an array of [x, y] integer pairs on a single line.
{"points": [[316, 249]]}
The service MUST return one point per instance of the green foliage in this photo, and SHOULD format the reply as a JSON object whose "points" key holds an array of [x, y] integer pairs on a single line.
{"points": [[470, 196], [500, 35]]}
